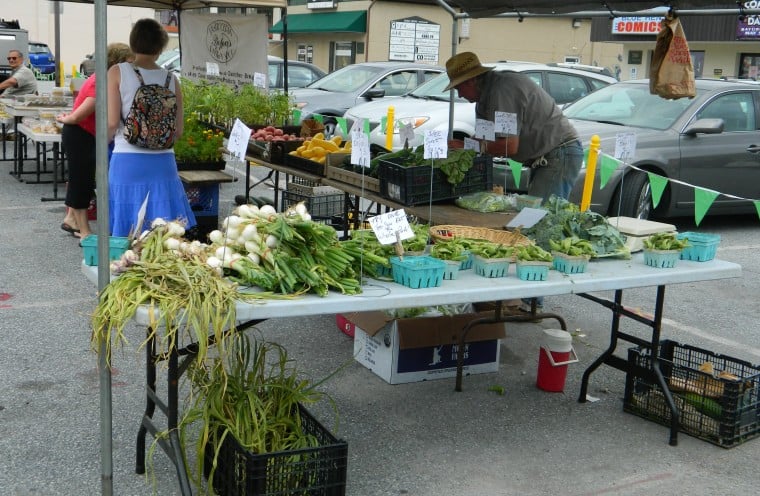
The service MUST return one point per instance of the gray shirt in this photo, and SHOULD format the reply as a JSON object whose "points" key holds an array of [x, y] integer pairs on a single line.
{"points": [[26, 83], [541, 126]]}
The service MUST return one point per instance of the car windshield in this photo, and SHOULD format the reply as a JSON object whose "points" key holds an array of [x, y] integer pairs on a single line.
{"points": [[166, 56], [347, 79], [39, 49], [628, 105], [434, 89]]}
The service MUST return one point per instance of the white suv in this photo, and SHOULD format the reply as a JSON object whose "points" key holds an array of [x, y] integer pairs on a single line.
{"points": [[427, 107]]}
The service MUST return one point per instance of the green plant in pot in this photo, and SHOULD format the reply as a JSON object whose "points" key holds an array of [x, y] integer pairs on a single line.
{"points": [[199, 144]]}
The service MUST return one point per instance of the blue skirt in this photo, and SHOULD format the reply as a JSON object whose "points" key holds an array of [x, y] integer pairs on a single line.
{"points": [[132, 177]]}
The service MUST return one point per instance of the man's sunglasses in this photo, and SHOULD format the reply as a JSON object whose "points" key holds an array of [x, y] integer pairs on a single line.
{"points": [[12, 58]]}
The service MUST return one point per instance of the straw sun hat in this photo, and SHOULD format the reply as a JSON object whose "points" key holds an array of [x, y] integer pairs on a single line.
{"points": [[463, 66]]}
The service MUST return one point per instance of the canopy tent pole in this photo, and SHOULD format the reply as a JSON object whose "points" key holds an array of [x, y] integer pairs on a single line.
{"points": [[101, 179]]}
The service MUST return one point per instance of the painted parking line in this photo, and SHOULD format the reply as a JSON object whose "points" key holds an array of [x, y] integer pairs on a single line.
{"points": [[695, 331]]}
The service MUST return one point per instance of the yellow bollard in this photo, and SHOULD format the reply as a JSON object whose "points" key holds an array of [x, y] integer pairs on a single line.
{"points": [[588, 184], [389, 129]]}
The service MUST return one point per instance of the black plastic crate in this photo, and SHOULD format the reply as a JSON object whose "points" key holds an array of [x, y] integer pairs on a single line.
{"points": [[319, 471], [319, 206], [204, 199], [712, 406], [412, 185]]}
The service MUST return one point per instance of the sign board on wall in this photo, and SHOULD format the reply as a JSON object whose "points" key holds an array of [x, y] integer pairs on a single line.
{"points": [[321, 4], [414, 39], [225, 48], [636, 25]]}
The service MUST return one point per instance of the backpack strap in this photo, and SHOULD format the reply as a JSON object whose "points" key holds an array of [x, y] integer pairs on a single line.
{"points": [[139, 76], [168, 79]]}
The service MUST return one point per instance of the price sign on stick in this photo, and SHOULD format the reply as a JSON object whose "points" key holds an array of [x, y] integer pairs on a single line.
{"points": [[406, 133], [471, 144], [259, 80], [435, 144], [359, 148], [391, 226], [239, 137], [212, 69], [506, 122], [485, 130], [625, 146]]}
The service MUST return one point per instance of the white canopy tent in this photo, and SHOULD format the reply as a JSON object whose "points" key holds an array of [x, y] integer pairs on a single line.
{"points": [[457, 8]]}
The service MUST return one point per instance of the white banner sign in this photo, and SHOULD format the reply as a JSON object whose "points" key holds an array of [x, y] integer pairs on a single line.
{"points": [[227, 48]]}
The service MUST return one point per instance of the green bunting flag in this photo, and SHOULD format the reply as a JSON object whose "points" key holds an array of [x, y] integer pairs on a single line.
{"points": [[342, 124], [366, 127], [657, 184], [516, 171], [383, 123], [607, 165], [296, 116], [703, 198], [318, 118], [757, 207]]}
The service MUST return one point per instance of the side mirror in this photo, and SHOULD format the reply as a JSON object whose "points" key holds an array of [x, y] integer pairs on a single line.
{"points": [[374, 93], [704, 126]]}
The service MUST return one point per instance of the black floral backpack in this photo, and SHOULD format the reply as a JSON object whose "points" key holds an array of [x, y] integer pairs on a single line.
{"points": [[152, 119]]}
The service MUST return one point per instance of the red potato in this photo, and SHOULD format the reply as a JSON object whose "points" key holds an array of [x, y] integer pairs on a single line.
{"points": [[278, 132]]}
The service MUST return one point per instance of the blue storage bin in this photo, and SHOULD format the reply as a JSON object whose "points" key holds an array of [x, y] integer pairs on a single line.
{"points": [[569, 264], [418, 272], [204, 199], [702, 246], [116, 248], [662, 259], [533, 271], [491, 267]]}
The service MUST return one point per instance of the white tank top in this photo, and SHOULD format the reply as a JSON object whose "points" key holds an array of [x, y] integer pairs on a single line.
{"points": [[128, 87]]}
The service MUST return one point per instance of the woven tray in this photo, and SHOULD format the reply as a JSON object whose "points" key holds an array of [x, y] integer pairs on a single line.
{"points": [[507, 238]]}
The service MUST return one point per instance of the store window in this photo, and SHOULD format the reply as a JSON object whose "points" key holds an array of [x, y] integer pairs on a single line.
{"points": [[342, 53], [749, 65]]}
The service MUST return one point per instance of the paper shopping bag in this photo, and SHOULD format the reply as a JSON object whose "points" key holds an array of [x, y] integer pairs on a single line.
{"points": [[671, 73]]}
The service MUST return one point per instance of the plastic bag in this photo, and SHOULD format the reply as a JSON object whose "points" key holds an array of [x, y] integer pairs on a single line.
{"points": [[671, 73], [487, 201]]}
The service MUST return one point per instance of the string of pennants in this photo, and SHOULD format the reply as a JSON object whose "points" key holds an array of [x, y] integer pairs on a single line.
{"points": [[606, 165]]}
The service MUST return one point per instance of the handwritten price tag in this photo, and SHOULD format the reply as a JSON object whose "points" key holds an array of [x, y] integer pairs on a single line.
{"points": [[484, 129], [435, 144], [406, 133], [471, 144], [625, 146], [359, 148], [386, 226], [506, 122], [239, 137]]}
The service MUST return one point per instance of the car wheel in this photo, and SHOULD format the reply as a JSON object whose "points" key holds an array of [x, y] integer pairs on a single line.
{"points": [[330, 125], [633, 197]]}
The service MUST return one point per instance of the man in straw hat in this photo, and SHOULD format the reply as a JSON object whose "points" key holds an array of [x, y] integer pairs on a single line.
{"points": [[545, 140]]}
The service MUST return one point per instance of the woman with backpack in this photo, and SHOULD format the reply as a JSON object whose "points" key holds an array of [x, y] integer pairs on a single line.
{"points": [[144, 119]]}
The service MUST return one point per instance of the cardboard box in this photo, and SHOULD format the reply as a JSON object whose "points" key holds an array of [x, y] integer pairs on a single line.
{"points": [[423, 348]]}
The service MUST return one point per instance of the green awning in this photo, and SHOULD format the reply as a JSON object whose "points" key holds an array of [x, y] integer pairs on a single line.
{"points": [[352, 21]]}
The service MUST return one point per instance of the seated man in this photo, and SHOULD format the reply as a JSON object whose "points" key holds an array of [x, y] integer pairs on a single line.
{"points": [[22, 80]]}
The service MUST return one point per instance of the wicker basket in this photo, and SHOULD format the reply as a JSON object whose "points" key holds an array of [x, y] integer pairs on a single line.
{"points": [[507, 238]]}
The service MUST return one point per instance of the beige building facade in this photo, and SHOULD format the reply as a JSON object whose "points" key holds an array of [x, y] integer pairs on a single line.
{"points": [[315, 34]]}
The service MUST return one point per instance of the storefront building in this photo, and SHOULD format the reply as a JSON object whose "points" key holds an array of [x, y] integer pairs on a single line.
{"points": [[721, 46], [332, 34]]}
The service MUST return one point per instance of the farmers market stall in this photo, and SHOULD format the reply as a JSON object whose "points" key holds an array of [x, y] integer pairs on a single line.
{"points": [[603, 275]]}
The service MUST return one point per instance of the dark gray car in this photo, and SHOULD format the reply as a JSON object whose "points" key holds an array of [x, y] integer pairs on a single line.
{"points": [[710, 141], [353, 84]]}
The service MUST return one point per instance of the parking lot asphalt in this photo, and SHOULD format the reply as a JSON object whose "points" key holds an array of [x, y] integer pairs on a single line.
{"points": [[421, 439]]}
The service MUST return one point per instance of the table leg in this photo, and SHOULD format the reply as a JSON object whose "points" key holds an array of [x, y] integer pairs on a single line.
{"points": [[498, 317], [58, 164], [608, 357], [40, 161]]}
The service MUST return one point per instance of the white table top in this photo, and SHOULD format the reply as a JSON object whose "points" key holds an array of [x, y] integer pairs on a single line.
{"points": [[39, 137], [601, 275]]}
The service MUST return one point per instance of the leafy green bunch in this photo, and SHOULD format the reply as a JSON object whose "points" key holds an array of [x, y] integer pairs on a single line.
{"points": [[199, 143]]}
